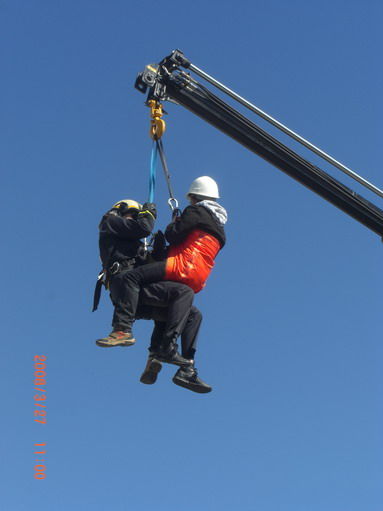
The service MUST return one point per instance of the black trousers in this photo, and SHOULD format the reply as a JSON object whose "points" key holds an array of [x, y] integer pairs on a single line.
{"points": [[169, 304], [189, 334], [125, 289]]}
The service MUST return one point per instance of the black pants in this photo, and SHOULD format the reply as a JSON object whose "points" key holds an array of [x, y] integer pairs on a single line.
{"points": [[189, 334], [125, 289], [169, 304]]}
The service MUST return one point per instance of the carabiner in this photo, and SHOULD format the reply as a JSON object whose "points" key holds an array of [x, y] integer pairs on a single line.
{"points": [[173, 203]]}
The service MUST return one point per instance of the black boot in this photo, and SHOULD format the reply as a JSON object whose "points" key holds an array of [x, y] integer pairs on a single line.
{"points": [[187, 377], [153, 367], [170, 355]]}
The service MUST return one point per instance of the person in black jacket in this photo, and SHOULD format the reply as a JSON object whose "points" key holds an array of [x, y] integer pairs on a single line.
{"points": [[121, 231]]}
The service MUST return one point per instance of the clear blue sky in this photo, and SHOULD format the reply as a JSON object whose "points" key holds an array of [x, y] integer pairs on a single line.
{"points": [[291, 339]]}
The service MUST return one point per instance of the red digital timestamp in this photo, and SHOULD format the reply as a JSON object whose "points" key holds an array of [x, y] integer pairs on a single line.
{"points": [[40, 382], [40, 412], [40, 467]]}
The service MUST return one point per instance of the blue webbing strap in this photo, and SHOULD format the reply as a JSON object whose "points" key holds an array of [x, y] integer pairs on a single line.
{"points": [[153, 169]]}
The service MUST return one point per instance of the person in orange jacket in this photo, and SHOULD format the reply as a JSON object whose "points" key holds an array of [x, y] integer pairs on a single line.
{"points": [[195, 238]]}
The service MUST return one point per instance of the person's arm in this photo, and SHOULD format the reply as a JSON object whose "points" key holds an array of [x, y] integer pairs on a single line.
{"points": [[131, 228], [177, 231]]}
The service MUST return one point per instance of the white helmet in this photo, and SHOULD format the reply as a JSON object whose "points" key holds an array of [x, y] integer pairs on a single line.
{"points": [[204, 186]]}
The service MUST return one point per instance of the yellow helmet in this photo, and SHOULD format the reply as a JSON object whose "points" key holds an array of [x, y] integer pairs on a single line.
{"points": [[126, 205]]}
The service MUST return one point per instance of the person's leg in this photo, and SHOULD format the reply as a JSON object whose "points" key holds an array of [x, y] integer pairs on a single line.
{"points": [[169, 304], [121, 334], [124, 290], [180, 304], [153, 365], [187, 375], [157, 335], [174, 298], [121, 318], [190, 333], [160, 293], [131, 282]]}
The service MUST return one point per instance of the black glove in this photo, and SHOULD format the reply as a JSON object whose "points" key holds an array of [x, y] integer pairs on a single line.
{"points": [[149, 207], [159, 251]]}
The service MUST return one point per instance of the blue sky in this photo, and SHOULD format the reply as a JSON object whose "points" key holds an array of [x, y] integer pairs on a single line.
{"points": [[291, 339]]}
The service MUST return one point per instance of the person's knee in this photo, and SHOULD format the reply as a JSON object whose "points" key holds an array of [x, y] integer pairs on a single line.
{"points": [[182, 291], [189, 294], [131, 280]]}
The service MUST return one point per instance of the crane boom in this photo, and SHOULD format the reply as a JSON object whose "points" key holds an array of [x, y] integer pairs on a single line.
{"points": [[168, 82]]}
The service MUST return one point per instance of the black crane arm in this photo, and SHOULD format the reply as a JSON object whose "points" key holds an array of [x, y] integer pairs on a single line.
{"points": [[168, 82]]}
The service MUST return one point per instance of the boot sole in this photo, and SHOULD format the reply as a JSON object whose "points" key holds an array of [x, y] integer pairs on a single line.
{"points": [[149, 376], [105, 344], [191, 386]]}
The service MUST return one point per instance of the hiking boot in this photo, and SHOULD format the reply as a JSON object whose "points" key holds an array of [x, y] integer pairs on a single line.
{"points": [[116, 338], [171, 356], [152, 368], [187, 377]]}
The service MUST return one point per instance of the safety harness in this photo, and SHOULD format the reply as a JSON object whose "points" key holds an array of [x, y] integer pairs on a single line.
{"points": [[104, 277]]}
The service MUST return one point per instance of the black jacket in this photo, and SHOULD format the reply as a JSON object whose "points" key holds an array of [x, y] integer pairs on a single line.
{"points": [[195, 217], [120, 238]]}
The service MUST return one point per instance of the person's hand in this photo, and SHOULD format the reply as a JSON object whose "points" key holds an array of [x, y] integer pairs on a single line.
{"points": [[159, 246], [149, 207]]}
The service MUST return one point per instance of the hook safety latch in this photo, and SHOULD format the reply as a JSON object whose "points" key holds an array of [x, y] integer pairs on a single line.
{"points": [[157, 124]]}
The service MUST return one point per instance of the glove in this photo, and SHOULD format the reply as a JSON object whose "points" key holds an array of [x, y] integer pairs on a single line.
{"points": [[159, 251], [149, 207]]}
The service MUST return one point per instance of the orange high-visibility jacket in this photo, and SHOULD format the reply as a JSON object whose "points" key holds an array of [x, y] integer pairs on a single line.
{"points": [[191, 261]]}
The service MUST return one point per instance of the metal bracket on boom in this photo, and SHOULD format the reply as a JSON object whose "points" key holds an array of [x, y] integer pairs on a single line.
{"points": [[175, 60], [150, 78]]}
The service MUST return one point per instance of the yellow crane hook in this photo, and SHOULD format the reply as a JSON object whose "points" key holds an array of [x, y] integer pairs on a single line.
{"points": [[157, 124]]}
